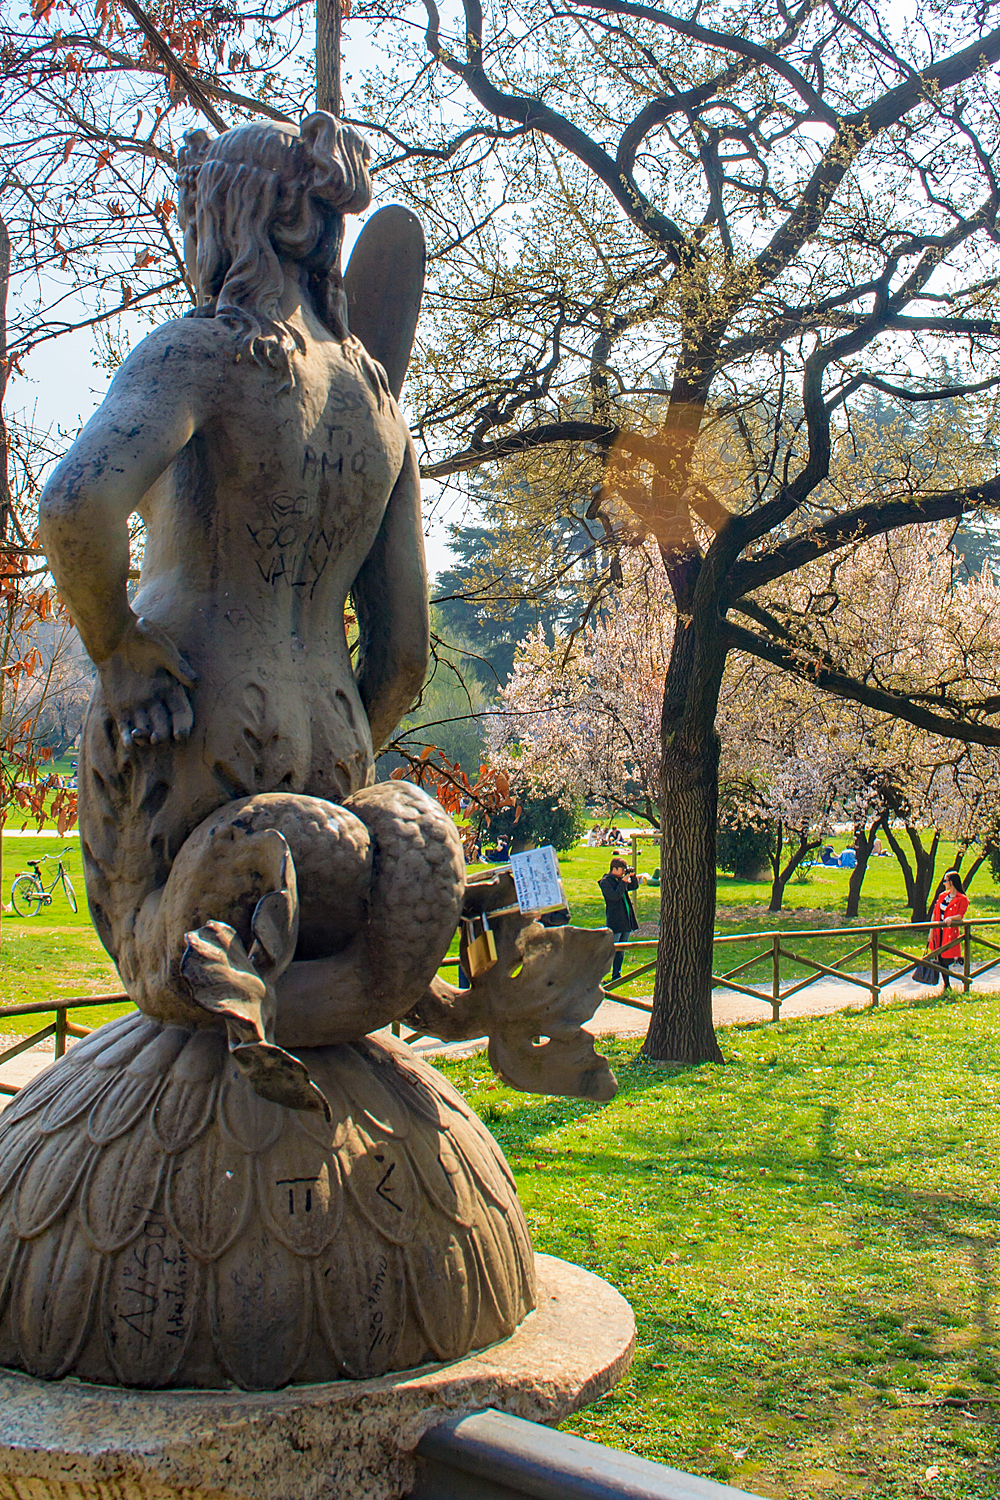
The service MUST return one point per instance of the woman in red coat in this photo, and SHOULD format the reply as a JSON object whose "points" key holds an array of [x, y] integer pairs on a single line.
{"points": [[950, 906]]}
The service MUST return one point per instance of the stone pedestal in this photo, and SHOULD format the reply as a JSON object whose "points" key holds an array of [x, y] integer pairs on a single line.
{"points": [[66, 1440]]}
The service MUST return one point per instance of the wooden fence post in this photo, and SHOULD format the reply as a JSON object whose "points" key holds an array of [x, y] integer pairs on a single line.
{"points": [[875, 984], [60, 1033], [776, 976], [967, 965]]}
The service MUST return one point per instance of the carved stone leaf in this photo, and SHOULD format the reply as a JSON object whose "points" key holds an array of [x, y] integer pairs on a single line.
{"points": [[483, 1169], [260, 1311], [10, 1244], [121, 1190], [332, 1133], [14, 1153], [89, 1048], [149, 1305], [160, 1053], [209, 1221], [118, 1108], [50, 1330], [187, 1104], [223, 981], [45, 1088], [50, 1181], [411, 1089], [251, 1122], [366, 1275], [444, 1178], [501, 1275], [380, 1179], [83, 1087], [275, 927], [128, 1043], [510, 1223], [445, 1294], [300, 1195], [277, 1075], [366, 1084]]}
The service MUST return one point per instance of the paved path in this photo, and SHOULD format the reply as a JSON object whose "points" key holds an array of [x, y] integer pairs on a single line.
{"points": [[38, 833], [612, 1018]]}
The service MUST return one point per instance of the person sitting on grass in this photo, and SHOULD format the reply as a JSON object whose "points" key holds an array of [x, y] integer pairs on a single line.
{"points": [[619, 913]]}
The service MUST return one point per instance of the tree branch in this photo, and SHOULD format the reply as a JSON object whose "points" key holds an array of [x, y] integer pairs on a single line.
{"points": [[537, 115], [843, 686], [874, 519]]}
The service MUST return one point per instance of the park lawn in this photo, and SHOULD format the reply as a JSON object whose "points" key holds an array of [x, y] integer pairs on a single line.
{"points": [[815, 900], [57, 953], [809, 1238], [54, 954]]}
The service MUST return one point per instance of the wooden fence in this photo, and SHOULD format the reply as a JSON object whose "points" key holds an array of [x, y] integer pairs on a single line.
{"points": [[60, 1027], [867, 944], [864, 944]]}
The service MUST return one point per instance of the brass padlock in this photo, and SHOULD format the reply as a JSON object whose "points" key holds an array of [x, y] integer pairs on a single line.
{"points": [[480, 945]]}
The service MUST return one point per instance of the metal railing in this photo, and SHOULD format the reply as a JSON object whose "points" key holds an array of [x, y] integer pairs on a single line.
{"points": [[61, 1028], [491, 1456]]}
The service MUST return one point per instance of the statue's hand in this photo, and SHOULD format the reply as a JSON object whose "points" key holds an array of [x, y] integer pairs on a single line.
{"points": [[146, 682]]}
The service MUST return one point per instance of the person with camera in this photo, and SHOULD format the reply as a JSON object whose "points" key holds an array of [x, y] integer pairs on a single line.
{"points": [[619, 913]]}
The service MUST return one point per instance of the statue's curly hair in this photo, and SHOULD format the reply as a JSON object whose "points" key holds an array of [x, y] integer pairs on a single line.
{"points": [[262, 192]]}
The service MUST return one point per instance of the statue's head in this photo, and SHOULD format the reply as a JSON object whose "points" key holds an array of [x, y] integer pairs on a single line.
{"points": [[262, 194]]}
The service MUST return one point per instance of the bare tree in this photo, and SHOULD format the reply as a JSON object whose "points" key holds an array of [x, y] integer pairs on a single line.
{"points": [[678, 253]]}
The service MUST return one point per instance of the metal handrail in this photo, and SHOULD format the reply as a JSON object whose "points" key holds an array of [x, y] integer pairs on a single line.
{"points": [[489, 1455]]}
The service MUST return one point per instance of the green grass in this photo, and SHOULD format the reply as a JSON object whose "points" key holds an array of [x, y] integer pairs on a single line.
{"points": [[57, 953], [808, 1237], [54, 954]]}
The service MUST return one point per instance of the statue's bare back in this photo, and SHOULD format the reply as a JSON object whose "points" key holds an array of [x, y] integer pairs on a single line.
{"points": [[255, 535], [265, 452], [269, 905]]}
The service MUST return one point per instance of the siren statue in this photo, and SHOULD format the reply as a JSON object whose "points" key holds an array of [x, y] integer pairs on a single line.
{"points": [[237, 1184]]}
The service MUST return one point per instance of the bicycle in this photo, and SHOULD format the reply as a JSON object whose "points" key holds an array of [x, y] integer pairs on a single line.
{"points": [[28, 894]]}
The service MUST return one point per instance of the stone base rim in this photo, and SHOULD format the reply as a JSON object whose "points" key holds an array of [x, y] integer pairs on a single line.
{"points": [[68, 1440]]}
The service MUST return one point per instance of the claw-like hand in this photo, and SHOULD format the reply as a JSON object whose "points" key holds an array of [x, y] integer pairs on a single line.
{"points": [[146, 682]]}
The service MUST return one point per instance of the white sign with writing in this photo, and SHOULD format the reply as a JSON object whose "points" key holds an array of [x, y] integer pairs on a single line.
{"points": [[536, 880]]}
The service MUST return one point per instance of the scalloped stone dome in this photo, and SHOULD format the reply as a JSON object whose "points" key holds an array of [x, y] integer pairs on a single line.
{"points": [[161, 1225]]}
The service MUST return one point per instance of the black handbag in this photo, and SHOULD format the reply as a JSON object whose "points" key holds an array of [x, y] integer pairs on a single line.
{"points": [[924, 974]]}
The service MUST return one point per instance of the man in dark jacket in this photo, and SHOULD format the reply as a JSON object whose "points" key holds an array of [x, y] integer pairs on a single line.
{"points": [[619, 914]]}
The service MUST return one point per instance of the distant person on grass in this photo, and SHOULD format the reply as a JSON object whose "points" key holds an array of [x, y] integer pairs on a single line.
{"points": [[951, 905], [619, 913]]}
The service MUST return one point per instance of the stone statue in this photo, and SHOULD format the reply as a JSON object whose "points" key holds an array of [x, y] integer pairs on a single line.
{"points": [[241, 1184]]}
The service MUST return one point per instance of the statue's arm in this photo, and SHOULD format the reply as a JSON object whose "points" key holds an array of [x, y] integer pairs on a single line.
{"points": [[149, 414], [390, 600]]}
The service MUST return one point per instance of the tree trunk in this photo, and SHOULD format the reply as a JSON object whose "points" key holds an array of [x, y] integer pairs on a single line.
{"points": [[902, 861], [864, 843], [977, 863], [925, 860], [681, 1028], [328, 17], [777, 890], [782, 877]]}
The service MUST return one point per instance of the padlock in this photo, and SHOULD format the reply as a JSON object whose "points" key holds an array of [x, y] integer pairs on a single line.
{"points": [[480, 945]]}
